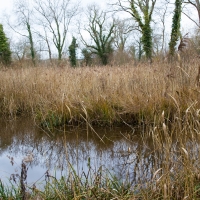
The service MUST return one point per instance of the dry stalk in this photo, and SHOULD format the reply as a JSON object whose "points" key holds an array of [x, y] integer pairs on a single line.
{"points": [[198, 78]]}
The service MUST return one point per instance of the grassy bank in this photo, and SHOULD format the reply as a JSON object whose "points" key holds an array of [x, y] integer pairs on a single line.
{"points": [[99, 95]]}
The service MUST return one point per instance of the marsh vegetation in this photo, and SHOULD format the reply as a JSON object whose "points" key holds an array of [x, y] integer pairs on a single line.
{"points": [[109, 95], [161, 100]]}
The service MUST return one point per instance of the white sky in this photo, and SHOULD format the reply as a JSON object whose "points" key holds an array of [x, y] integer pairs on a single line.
{"points": [[187, 26], [6, 7]]}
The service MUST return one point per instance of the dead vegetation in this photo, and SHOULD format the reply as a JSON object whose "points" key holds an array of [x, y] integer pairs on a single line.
{"points": [[106, 95]]}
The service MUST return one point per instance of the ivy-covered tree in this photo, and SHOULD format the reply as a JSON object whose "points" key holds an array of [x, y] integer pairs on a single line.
{"points": [[141, 11], [175, 33], [24, 20], [100, 33], [72, 52], [5, 53]]}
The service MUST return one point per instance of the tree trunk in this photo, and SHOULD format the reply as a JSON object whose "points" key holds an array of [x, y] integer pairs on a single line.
{"points": [[31, 43]]}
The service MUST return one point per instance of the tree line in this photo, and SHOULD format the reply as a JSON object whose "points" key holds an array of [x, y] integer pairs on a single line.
{"points": [[43, 26]]}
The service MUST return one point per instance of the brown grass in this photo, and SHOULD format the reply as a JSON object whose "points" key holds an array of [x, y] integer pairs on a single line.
{"points": [[163, 96], [103, 95]]}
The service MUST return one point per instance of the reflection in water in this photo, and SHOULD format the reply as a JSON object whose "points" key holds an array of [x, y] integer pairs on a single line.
{"points": [[116, 153]]}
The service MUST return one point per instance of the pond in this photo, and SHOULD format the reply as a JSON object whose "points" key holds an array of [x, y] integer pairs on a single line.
{"points": [[119, 150], [110, 148]]}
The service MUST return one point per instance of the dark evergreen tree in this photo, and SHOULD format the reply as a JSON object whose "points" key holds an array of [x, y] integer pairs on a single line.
{"points": [[5, 53], [72, 52]]}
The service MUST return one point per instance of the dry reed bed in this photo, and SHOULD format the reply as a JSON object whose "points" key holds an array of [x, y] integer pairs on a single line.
{"points": [[108, 94], [98, 94]]}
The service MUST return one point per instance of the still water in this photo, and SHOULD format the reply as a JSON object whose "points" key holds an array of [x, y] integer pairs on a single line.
{"points": [[108, 148]]}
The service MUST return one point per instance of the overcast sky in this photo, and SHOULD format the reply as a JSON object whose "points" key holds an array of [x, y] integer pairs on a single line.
{"points": [[186, 25], [7, 5]]}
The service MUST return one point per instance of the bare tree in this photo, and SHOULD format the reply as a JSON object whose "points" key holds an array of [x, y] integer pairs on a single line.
{"points": [[19, 49], [101, 34], [24, 21], [56, 16], [196, 4], [45, 39], [162, 13], [123, 28]]}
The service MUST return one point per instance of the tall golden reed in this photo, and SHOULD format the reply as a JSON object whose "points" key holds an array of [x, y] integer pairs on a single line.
{"points": [[108, 94]]}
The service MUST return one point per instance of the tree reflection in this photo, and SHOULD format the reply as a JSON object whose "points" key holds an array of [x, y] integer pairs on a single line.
{"points": [[133, 159]]}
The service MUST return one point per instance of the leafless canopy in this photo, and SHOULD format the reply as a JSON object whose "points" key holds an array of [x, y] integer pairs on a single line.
{"points": [[56, 16]]}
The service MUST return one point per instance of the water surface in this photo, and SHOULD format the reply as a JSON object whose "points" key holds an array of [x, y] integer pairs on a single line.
{"points": [[108, 148]]}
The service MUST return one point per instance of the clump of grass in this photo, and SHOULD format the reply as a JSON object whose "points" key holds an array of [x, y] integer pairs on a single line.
{"points": [[98, 184], [175, 171], [9, 192], [87, 186]]}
